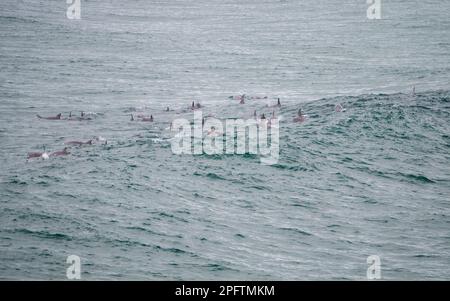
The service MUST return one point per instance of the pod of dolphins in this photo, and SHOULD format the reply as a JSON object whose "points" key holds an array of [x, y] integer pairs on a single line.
{"points": [[140, 117]]}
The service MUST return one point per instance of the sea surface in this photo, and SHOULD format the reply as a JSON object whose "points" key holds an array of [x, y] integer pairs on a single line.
{"points": [[373, 180]]}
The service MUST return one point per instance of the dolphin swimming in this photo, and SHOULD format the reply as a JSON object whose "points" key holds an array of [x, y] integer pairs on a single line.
{"points": [[63, 152], [57, 117], [78, 143]]}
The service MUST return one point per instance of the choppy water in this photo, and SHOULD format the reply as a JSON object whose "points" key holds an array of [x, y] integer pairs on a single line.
{"points": [[373, 180]]}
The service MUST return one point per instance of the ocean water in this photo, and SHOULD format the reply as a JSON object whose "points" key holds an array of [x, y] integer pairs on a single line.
{"points": [[373, 180]]}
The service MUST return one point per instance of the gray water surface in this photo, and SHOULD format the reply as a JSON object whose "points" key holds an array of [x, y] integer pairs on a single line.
{"points": [[373, 180]]}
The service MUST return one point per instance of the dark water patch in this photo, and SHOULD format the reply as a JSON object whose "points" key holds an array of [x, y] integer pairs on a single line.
{"points": [[41, 234], [164, 215], [13, 19], [377, 220], [260, 187], [334, 226], [425, 256], [416, 178], [296, 231], [214, 176], [175, 251], [126, 243], [151, 232], [217, 267], [65, 195], [303, 205], [290, 167], [201, 195], [16, 181]]}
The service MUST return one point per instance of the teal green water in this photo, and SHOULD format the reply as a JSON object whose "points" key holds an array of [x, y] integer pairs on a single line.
{"points": [[373, 180]]}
